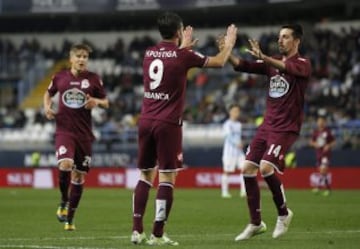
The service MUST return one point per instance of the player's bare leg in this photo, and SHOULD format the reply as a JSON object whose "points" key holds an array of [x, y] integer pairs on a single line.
{"points": [[140, 199], [256, 225], [276, 187], [65, 168], [164, 200]]}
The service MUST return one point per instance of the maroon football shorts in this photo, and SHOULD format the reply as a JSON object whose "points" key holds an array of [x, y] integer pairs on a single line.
{"points": [[160, 144], [323, 159], [270, 147], [79, 151]]}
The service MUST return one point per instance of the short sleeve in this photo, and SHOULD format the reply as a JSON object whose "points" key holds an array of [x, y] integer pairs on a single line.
{"points": [[52, 88], [331, 137], [99, 91], [257, 67], [194, 59], [298, 67]]}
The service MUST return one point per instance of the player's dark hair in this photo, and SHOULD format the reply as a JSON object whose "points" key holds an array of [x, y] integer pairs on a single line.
{"points": [[169, 23], [81, 46], [234, 105], [296, 28], [321, 117]]}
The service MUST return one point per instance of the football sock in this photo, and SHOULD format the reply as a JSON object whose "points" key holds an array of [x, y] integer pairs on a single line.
{"points": [[242, 184], [277, 191], [164, 200], [224, 184], [253, 198], [321, 181], [75, 196], [326, 181], [140, 198], [64, 183]]}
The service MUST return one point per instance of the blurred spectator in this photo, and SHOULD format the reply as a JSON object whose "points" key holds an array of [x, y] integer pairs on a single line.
{"points": [[335, 83]]}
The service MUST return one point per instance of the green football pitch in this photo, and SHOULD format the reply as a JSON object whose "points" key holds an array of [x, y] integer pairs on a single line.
{"points": [[199, 219]]}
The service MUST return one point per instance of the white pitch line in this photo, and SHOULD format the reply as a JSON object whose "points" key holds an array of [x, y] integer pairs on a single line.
{"points": [[126, 237], [67, 238], [48, 247]]}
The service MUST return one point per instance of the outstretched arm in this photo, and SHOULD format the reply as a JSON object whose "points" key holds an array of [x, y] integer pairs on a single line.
{"points": [[242, 65], [256, 52], [229, 40]]}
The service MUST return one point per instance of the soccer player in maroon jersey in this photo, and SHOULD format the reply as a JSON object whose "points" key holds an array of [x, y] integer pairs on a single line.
{"points": [[79, 91], [322, 141], [288, 75], [165, 68]]}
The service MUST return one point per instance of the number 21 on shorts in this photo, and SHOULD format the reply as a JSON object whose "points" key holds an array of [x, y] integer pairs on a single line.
{"points": [[275, 150]]}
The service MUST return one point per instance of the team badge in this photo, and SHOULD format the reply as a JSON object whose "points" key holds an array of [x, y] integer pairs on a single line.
{"points": [[62, 150], [85, 84]]}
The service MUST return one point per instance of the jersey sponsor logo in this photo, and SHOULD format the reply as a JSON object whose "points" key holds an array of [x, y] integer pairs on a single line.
{"points": [[278, 86], [161, 54], [85, 84], [156, 96], [74, 83], [74, 98]]}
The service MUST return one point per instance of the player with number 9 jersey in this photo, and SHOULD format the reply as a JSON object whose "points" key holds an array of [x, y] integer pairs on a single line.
{"points": [[165, 68]]}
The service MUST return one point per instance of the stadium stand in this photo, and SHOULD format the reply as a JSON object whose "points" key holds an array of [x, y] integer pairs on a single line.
{"points": [[335, 85]]}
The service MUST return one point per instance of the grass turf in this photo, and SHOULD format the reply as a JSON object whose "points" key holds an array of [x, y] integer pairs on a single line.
{"points": [[199, 219]]}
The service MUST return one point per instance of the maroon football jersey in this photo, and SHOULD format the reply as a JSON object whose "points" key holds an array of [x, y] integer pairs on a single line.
{"points": [[286, 90], [322, 138], [72, 118], [165, 69]]}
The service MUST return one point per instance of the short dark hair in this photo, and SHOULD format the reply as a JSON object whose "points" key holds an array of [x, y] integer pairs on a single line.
{"points": [[169, 23], [234, 105], [296, 28], [80, 46]]}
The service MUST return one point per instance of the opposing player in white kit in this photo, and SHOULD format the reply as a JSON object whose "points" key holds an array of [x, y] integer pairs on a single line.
{"points": [[233, 155]]}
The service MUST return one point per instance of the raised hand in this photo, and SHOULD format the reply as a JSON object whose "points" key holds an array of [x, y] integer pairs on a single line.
{"points": [[230, 37], [220, 42], [255, 49], [187, 40]]}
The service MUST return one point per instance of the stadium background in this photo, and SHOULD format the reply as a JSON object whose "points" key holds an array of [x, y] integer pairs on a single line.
{"points": [[35, 36]]}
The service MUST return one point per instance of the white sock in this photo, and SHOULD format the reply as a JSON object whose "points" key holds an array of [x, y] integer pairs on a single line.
{"points": [[242, 185], [224, 184]]}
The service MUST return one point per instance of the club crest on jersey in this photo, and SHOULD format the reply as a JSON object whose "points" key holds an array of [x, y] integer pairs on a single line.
{"points": [[85, 84], [74, 98], [62, 150], [278, 86]]}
